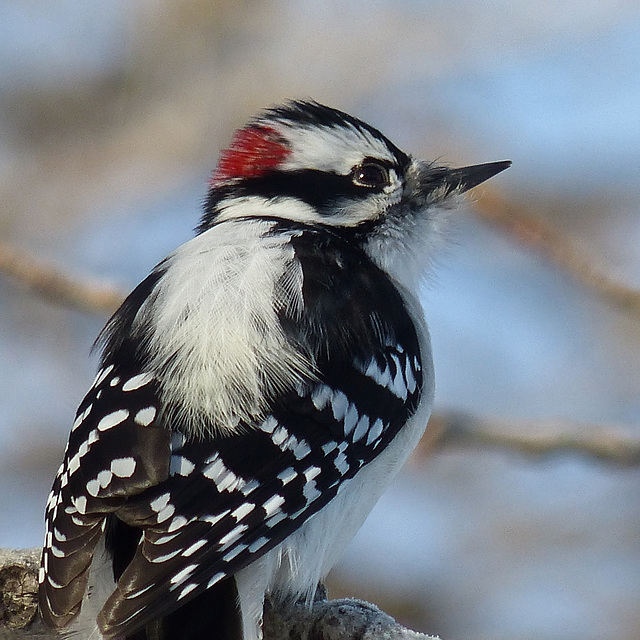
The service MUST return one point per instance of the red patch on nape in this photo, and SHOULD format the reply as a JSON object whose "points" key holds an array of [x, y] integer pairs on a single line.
{"points": [[254, 150]]}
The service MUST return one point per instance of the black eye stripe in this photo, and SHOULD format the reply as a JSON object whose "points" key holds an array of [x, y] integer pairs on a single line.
{"points": [[319, 189]]}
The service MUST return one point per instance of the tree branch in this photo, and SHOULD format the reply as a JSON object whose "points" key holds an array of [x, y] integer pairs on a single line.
{"points": [[518, 222], [346, 619], [607, 443], [56, 286]]}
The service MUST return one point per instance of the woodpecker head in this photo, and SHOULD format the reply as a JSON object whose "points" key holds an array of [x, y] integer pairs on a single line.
{"points": [[314, 165]]}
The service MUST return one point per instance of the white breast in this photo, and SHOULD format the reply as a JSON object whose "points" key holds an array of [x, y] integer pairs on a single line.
{"points": [[215, 323]]}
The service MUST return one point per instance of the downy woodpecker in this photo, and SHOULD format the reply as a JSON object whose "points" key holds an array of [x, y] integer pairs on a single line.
{"points": [[257, 391]]}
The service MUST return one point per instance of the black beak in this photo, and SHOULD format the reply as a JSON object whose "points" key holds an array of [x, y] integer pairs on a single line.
{"points": [[466, 178]]}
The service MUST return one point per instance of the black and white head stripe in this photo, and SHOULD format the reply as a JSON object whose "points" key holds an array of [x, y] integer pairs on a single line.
{"points": [[313, 155], [205, 508], [312, 115]]}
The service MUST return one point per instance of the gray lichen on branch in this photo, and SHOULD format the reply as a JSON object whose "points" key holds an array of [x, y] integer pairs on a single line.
{"points": [[345, 619]]}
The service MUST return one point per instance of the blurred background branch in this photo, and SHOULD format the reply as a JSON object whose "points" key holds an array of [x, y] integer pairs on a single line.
{"points": [[56, 286], [521, 224], [606, 443]]}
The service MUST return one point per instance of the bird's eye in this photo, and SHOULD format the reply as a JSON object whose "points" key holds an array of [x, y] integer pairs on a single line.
{"points": [[370, 174]]}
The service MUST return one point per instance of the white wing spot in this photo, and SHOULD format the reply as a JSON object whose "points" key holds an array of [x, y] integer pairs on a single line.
{"points": [[104, 478], [194, 547], [350, 419], [380, 377], [339, 405], [165, 539], [276, 518], [302, 450], [234, 552], [113, 419], [291, 443], [287, 475], [273, 504], [341, 463], [80, 504], [215, 579], [54, 584], [229, 482], [145, 417], [81, 417], [279, 435], [177, 523], [258, 544], [329, 447], [376, 431], [215, 468], [214, 519], [165, 513], [361, 428], [310, 491], [93, 487], [233, 535], [177, 440], [243, 510], [123, 467], [58, 535], [268, 425], [249, 487], [160, 502], [83, 448], [114, 381], [135, 613], [64, 480], [187, 590], [74, 464], [137, 381], [409, 377], [135, 594], [311, 473], [321, 396], [398, 386], [102, 375], [166, 557], [181, 576], [181, 466]]}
